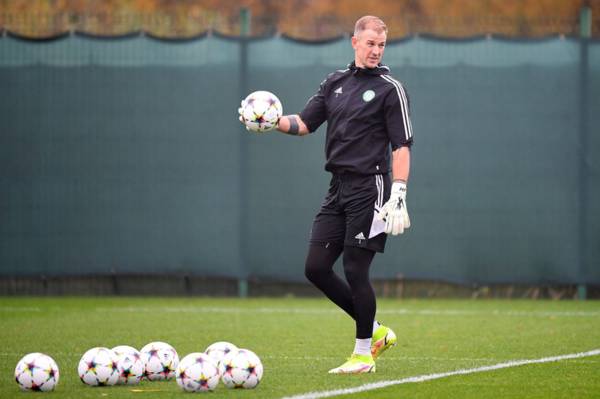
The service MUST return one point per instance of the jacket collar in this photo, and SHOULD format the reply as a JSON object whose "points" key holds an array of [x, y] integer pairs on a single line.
{"points": [[380, 69]]}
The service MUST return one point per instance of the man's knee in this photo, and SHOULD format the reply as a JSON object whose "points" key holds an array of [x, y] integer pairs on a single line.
{"points": [[316, 268], [356, 264], [312, 269], [320, 260]]}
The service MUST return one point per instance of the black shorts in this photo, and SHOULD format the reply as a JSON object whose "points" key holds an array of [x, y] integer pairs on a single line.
{"points": [[347, 215]]}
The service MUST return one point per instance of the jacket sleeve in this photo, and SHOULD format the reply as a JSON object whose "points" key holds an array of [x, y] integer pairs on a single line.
{"points": [[397, 116], [315, 110]]}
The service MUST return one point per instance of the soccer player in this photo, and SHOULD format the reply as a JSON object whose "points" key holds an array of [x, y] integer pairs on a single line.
{"points": [[367, 114]]}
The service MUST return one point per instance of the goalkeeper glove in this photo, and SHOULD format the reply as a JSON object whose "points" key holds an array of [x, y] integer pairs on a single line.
{"points": [[241, 111], [394, 210]]}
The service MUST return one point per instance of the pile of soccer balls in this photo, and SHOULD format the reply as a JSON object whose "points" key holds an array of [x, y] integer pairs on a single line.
{"points": [[196, 372]]}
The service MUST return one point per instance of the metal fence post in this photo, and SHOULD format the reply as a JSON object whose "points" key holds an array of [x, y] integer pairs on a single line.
{"points": [[585, 32], [244, 33]]}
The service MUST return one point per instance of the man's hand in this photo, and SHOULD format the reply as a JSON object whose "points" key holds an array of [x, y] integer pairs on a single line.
{"points": [[394, 210], [241, 112]]}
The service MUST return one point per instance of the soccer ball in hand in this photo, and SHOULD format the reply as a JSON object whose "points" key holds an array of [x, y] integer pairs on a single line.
{"points": [[129, 364], [260, 111], [219, 350], [241, 369], [197, 372], [98, 367], [160, 360], [36, 372]]}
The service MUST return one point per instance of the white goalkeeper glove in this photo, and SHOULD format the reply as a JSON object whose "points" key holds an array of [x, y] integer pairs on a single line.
{"points": [[241, 111], [394, 210]]}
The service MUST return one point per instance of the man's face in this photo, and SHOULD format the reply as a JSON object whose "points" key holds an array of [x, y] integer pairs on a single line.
{"points": [[368, 48]]}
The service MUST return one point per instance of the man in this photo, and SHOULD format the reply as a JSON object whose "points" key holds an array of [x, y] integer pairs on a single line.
{"points": [[367, 115]]}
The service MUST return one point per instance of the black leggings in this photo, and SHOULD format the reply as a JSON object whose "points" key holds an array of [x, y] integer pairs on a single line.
{"points": [[355, 295]]}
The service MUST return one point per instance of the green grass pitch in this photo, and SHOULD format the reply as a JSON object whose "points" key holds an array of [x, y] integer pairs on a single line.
{"points": [[298, 340]]}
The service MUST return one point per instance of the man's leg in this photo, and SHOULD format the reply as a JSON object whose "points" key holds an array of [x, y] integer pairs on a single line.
{"points": [[369, 334], [319, 271], [356, 268], [357, 262]]}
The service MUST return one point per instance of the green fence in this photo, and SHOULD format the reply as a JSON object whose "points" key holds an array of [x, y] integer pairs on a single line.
{"points": [[125, 155]]}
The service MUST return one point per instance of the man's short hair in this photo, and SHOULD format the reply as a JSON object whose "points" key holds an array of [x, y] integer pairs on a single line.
{"points": [[369, 22]]}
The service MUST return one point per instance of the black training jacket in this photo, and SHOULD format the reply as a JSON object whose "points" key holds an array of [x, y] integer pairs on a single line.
{"points": [[366, 110]]}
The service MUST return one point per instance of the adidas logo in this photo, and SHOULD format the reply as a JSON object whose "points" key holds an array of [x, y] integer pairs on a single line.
{"points": [[338, 91], [360, 236]]}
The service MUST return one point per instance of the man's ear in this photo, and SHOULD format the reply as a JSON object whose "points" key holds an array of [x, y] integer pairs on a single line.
{"points": [[354, 42]]}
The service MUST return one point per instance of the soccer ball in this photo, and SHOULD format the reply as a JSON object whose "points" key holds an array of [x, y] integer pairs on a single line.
{"points": [[260, 111], [241, 369], [98, 367], [197, 372], [37, 372], [129, 364], [219, 350], [160, 360]]}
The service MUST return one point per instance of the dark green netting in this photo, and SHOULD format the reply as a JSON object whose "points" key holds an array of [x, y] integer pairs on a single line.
{"points": [[126, 156]]}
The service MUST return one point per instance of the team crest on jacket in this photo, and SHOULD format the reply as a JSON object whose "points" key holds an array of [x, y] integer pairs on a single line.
{"points": [[368, 95]]}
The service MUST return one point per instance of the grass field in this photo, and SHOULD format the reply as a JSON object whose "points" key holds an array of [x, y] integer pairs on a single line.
{"points": [[298, 340]]}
